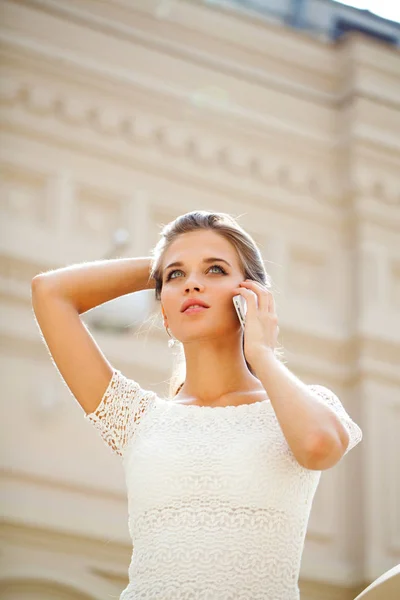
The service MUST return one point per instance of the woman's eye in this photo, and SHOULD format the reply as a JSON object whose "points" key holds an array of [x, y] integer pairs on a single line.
{"points": [[179, 271], [170, 275]]}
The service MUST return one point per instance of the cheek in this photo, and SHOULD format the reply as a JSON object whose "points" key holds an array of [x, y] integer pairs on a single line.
{"points": [[169, 301]]}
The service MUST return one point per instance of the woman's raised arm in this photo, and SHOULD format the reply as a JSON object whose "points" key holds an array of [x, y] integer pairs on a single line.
{"points": [[59, 297]]}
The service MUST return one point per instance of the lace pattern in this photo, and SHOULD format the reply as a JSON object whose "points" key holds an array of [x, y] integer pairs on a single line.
{"points": [[119, 413], [215, 551], [329, 398], [218, 504]]}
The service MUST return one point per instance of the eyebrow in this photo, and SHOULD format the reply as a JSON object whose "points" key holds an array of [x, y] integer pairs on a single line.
{"points": [[205, 260]]}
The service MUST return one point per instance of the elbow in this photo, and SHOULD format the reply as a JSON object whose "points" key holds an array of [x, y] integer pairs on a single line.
{"points": [[325, 451], [42, 283], [37, 282]]}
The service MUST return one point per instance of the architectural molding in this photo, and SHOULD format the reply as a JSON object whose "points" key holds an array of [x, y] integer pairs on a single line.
{"points": [[198, 51], [209, 100], [232, 44], [76, 508], [169, 33], [179, 142]]}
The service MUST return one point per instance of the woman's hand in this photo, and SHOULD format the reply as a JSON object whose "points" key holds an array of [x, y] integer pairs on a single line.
{"points": [[261, 327]]}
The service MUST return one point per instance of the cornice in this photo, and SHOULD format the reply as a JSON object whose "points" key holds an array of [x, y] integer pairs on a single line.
{"points": [[28, 536], [145, 31], [185, 139], [274, 63], [375, 54], [39, 33], [267, 36], [171, 32], [209, 157], [105, 560], [167, 138], [39, 481], [177, 141], [214, 102], [250, 146], [70, 500], [376, 153]]}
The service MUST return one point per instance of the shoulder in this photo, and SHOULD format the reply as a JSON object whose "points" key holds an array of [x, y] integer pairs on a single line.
{"points": [[121, 411]]}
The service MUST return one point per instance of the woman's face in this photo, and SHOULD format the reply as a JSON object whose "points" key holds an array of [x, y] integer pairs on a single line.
{"points": [[196, 277]]}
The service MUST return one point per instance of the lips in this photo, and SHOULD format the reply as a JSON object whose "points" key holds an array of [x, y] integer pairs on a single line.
{"points": [[191, 302], [194, 309]]}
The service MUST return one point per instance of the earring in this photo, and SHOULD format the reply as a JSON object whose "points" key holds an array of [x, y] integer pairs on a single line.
{"points": [[172, 341]]}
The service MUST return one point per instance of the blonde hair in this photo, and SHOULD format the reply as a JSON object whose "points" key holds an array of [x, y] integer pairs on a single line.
{"points": [[249, 257]]}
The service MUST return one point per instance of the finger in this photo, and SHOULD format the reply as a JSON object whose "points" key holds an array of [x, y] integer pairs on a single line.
{"points": [[263, 295], [250, 297], [272, 305]]}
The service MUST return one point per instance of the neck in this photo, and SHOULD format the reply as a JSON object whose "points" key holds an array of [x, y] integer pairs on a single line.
{"points": [[215, 368]]}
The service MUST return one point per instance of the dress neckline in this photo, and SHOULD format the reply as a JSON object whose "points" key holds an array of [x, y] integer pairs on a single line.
{"points": [[243, 406]]}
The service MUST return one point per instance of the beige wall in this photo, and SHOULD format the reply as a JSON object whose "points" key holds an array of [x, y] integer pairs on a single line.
{"points": [[124, 115]]}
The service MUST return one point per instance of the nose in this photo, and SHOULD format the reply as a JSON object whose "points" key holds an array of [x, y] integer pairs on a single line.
{"points": [[193, 285], [197, 288]]}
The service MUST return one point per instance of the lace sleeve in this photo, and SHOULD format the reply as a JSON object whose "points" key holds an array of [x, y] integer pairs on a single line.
{"points": [[327, 396], [118, 415]]}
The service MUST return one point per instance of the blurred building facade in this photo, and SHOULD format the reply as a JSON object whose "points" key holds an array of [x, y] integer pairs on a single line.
{"points": [[117, 116]]}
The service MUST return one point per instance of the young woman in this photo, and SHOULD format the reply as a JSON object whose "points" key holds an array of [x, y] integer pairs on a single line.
{"points": [[220, 476]]}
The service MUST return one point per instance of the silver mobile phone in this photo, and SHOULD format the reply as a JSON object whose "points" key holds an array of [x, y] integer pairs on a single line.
{"points": [[240, 305]]}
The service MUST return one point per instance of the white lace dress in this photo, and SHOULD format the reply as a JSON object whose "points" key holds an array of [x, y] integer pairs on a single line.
{"points": [[218, 505]]}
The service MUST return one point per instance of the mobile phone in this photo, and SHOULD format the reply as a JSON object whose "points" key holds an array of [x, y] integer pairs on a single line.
{"points": [[240, 305]]}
